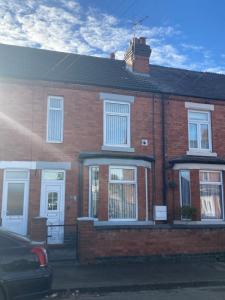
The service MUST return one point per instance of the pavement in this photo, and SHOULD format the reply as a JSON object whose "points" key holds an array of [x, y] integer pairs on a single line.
{"points": [[209, 293], [117, 277]]}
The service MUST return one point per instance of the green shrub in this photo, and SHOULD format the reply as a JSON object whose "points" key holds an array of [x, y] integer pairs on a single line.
{"points": [[188, 212]]}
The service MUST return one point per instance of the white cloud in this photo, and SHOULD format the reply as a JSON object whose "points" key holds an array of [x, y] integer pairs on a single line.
{"points": [[215, 70], [65, 26], [168, 55], [192, 47]]}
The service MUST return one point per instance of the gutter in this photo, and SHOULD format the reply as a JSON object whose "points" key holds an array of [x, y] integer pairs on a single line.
{"points": [[100, 154], [128, 89]]}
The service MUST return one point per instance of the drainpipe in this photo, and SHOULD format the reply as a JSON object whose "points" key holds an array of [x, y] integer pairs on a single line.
{"points": [[153, 163], [146, 195], [163, 150]]}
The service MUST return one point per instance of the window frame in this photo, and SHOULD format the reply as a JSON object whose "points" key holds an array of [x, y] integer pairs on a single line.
{"points": [[117, 114], [90, 189], [222, 193], [48, 112], [124, 182], [181, 201], [199, 123]]}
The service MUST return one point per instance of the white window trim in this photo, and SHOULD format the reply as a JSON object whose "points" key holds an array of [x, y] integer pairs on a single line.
{"points": [[180, 185], [48, 110], [116, 97], [89, 192], [199, 106], [201, 153], [26, 190], [215, 183], [35, 165], [199, 149], [122, 181], [121, 114], [199, 166], [17, 170]]}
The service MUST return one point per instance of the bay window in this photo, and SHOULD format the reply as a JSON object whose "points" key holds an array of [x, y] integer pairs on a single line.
{"points": [[211, 195], [122, 193]]}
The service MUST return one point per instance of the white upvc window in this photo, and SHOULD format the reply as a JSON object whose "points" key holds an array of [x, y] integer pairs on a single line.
{"points": [[93, 191], [55, 119], [199, 129], [116, 124], [185, 189], [122, 193], [211, 195]]}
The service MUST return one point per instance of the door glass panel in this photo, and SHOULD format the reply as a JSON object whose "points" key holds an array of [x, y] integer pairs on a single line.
{"points": [[53, 175], [15, 199], [16, 175], [52, 201]]}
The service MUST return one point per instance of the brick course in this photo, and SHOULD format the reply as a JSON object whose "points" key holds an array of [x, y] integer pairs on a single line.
{"points": [[23, 137], [95, 243]]}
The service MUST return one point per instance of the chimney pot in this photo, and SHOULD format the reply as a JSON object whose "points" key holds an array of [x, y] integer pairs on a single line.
{"points": [[112, 55], [142, 40]]}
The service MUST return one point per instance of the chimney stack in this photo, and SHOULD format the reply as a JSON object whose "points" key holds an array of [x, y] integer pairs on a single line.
{"points": [[137, 56]]}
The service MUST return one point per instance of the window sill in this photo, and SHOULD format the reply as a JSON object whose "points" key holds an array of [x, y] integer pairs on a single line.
{"points": [[119, 149], [203, 222], [86, 219], [201, 153], [122, 224], [54, 142]]}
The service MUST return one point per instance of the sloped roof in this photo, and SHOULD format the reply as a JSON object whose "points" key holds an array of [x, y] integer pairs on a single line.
{"points": [[37, 64], [196, 159]]}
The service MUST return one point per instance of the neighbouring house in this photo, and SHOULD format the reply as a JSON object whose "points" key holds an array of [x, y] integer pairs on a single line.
{"points": [[119, 148]]}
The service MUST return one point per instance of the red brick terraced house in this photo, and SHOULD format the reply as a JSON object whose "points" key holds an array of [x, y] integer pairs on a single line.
{"points": [[132, 153]]}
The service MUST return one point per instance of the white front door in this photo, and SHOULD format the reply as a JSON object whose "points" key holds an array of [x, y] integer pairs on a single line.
{"points": [[15, 201], [52, 204]]}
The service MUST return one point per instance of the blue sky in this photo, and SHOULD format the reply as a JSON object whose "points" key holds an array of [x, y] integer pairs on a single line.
{"points": [[182, 33]]}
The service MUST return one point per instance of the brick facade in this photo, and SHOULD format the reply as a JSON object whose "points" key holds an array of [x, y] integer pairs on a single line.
{"points": [[23, 120]]}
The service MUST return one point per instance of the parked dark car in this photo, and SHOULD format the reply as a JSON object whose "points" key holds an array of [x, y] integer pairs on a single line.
{"points": [[24, 271]]}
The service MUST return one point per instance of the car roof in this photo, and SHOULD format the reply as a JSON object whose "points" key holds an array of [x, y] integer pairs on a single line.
{"points": [[6, 233]]}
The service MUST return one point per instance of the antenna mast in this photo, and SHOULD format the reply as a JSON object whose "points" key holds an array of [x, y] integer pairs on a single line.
{"points": [[137, 23]]}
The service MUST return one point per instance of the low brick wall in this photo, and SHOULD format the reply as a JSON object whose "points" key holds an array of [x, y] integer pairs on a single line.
{"points": [[96, 242], [38, 229]]}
